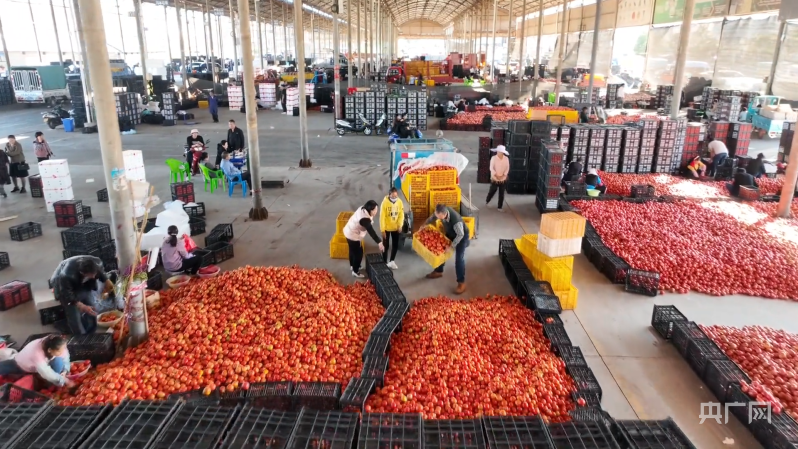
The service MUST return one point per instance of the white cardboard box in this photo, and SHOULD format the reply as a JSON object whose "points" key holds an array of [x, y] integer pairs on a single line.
{"points": [[54, 167], [53, 195], [559, 247]]}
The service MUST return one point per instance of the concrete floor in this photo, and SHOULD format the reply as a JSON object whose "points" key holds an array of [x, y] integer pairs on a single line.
{"points": [[641, 375]]}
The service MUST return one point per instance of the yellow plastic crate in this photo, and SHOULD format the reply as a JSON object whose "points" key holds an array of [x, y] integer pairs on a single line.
{"points": [[341, 221], [557, 273], [449, 197], [570, 116], [568, 298], [441, 179], [419, 199], [527, 244], [339, 248], [432, 259], [202, 104], [414, 183], [471, 224], [562, 225]]}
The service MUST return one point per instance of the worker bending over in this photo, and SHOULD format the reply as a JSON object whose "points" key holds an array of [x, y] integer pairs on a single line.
{"points": [[455, 230], [78, 284], [741, 179]]}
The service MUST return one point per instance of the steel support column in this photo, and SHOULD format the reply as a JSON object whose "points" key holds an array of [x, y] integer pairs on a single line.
{"points": [[337, 64], [776, 54], [5, 48], [85, 73], [260, 36], [183, 69], [536, 68], [235, 41], [594, 51], [521, 58], [35, 33], [168, 40], [142, 44], [681, 57], [493, 51], [563, 43], [58, 41], [69, 31], [299, 31], [509, 36]]}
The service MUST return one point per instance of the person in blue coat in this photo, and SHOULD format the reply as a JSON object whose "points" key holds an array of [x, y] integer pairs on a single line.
{"points": [[213, 107]]}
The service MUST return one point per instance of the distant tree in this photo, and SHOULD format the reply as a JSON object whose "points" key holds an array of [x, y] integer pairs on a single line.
{"points": [[641, 44]]}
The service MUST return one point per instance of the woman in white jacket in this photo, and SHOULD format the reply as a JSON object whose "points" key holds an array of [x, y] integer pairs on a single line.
{"points": [[360, 224]]}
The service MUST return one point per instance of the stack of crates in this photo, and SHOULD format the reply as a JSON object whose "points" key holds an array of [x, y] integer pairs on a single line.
{"points": [[182, 191], [56, 182], [170, 106], [678, 149], [611, 100], [394, 105], [6, 92], [268, 94], [665, 146], [483, 161], [416, 190], [69, 213], [518, 141], [709, 97], [728, 108], [630, 149], [612, 150], [560, 236], [740, 139], [91, 239], [583, 97], [785, 144], [578, 141], [339, 249], [127, 110], [664, 96], [541, 132], [79, 106], [563, 135], [372, 105], [292, 101], [235, 97], [443, 189], [552, 168], [648, 145], [595, 147], [693, 139], [719, 130], [416, 107]]}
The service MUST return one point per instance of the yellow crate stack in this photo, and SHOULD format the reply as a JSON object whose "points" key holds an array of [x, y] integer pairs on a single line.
{"points": [[562, 225], [558, 271], [339, 249], [442, 179], [415, 183], [471, 224], [534, 259], [449, 196]]}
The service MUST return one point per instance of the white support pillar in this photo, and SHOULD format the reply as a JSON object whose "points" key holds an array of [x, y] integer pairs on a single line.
{"points": [[183, 69], [35, 34], [521, 58], [563, 43], [536, 68], [235, 41], [57, 40], [142, 45], [681, 57], [492, 61], [299, 31], [594, 51], [5, 48], [509, 36], [85, 73], [260, 36], [69, 32]]}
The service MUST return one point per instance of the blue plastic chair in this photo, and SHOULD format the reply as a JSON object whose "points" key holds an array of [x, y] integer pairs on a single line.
{"points": [[231, 183]]}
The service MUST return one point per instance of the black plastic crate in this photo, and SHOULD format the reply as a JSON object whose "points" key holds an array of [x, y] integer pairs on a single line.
{"points": [[194, 397], [354, 397], [642, 282], [700, 352], [323, 430], [719, 375], [132, 424], [390, 295], [453, 434], [643, 191], [549, 304], [260, 428], [195, 426], [154, 280], [102, 195], [780, 433], [25, 231], [504, 244], [585, 380], [545, 318], [221, 251], [378, 269], [181, 188], [683, 333], [390, 430], [556, 335], [219, 233], [507, 432], [196, 225], [62, 427], [397, 309], [386, 326], [664, 434], [377, 345], [571, 355], [271, 395], [664, 318], [735, 394], [13, 394], [590, 400], [375, 367], [371, 258], [582, 435], [518, 126], [5, 261], [68, 207], [51, 315], [97, 348], [615, 269], [86, 235], [591, 414], [195, 211], [14, 418], [204, 255], [32, 337], [575, 188], [316, 395], [86, 212]]}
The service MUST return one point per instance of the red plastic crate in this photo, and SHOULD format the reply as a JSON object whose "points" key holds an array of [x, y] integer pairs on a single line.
{"points": [[184, 198], [68, 207], [67, 221], [14, 293]]}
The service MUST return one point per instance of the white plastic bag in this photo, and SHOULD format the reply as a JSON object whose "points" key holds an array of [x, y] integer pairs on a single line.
{"points": [[454, 160], [7, 354]]}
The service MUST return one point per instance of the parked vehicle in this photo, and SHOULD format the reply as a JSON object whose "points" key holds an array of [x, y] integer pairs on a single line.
{"points": [[55, 116], [39, 84], [346, 127]]}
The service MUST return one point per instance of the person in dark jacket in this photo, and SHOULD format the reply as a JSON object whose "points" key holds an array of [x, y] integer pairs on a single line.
{"points": [[574, 171], [455, 230], [593, 181], [756, 167], [5, 178], [213, 106], [221, 148], [583, 116], [235, 138], [77, 282], [741, 179]]}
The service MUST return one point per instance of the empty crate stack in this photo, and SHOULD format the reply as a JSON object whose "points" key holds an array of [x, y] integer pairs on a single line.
{"points": [[339, 248], [719, 130], [268, 94], [664, 97], [354, 103], [540, 132], [693, 138], [68, 213], [612, 149], [678, 149], [56, 182], [78, 104], [611, 100], [483, 161], [740, 138], [182, 191], [552, 166], [169, 108], [6, 92], [630, 149], [517, 140], [578, 142], [648, 145], [665, 146], [728, 108], [416, 108], [235, 97], [595, 147], [563, 135], [90, 239], [375, 105], [127, 110], [291, 99]]}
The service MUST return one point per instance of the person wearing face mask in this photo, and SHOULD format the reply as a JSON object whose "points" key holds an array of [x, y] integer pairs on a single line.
{"points": [[392, 218], [359, 225], [47, 356], [77, 284]]}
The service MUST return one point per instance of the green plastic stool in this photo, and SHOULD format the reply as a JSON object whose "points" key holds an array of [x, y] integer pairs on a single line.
{"points": [[218, 181], [179, 170]]}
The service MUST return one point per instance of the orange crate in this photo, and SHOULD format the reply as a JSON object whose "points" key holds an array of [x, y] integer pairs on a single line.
{"points": [[562, 225], [450, 197], [442, 178], [414, 183], [419, 200]]}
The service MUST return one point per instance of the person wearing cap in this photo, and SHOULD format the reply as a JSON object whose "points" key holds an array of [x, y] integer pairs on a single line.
{"points": [[499, 169], [593, 181], [194, 144]]}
